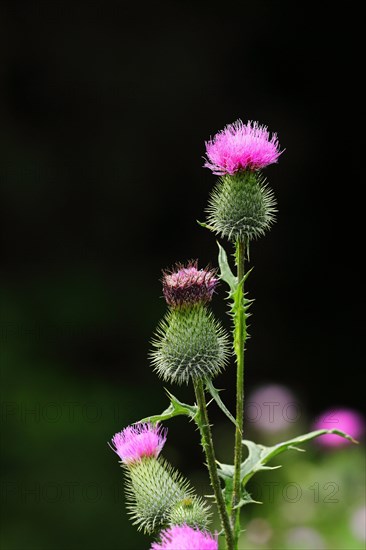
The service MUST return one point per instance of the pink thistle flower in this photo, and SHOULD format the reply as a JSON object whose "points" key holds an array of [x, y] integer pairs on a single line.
{"points": [[345, 420], [241, 147], [137, 441], [188, 285], [185, 538]]}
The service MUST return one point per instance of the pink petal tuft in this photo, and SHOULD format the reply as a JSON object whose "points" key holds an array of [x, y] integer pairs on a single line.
{"points": [[185, 538], [137, 441], [241, 147], [188, 285]]}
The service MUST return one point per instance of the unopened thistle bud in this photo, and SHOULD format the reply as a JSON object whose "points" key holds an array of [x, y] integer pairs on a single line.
{"points": [[153, 488], [157, 495], [190, 342], [184, 537], [242, 206], [192, 511]]}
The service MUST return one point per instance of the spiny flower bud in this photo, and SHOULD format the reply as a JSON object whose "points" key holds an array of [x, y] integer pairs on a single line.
{"points": [[157, 495], [183, 538], [241, 207], [189, 343], [153, 489], [188, 285], [192, 511], [241, 147], [138, 441]]}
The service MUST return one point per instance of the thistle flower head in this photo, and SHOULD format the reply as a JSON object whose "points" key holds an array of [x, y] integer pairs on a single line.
{"points": [[241, 147], [137, 441], [185, 538], [186, 285]]}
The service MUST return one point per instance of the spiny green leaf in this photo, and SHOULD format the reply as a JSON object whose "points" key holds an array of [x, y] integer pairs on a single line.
{"points": [[191, 410], [239, 316], [262, 454], [205, 225], [215, 394], [245, 278], [239, 303], [246, 498], [225, 271], [176, 408], [259, 455], [255, 460], [226, 472]]}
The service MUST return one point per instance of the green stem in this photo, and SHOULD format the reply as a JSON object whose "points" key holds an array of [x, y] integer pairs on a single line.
{"points": [[208, 447], [239, 343]]}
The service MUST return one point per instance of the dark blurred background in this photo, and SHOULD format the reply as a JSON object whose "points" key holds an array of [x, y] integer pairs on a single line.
{"points": [[105, 107]]}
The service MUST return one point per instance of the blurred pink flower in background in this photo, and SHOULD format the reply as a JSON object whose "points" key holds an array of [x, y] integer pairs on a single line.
{"points": [[272, 408], [346, 420]]}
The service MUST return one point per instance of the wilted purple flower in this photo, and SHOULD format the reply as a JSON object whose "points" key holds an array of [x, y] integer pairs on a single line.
{"points": [[346, 420], [185, 538], [137, 441], [241, 147], [188, 285]]}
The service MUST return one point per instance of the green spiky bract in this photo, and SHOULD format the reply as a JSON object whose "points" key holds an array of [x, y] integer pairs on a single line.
{"points": [[241, 207], [191, 511], [156, 493], [189, 343]]}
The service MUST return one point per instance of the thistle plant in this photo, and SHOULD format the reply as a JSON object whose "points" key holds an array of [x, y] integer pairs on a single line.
{"points": [[190, 346]]}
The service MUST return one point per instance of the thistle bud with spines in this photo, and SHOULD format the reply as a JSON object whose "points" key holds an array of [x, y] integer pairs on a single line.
{"points": [[153, 489], [156, 494], [189, 343]]}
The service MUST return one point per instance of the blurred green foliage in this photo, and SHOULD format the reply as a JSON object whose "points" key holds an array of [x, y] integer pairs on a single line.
{"points": [[309, 503]]}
